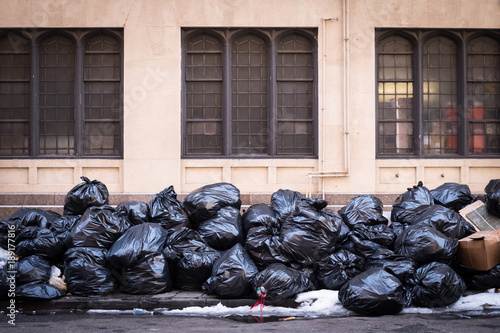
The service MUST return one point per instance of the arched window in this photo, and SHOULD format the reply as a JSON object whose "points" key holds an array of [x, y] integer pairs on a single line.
{"points": [[249, 86], [15, 69], [440, 121], [203, 86], [483, 89], [442, 101], [395, 95], [57, 91], [101, 80], [295, 89], [249, 93], [61, 93]]}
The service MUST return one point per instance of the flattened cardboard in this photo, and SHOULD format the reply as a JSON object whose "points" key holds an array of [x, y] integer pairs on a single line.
{"points": [[481, 250], [477, 215]]}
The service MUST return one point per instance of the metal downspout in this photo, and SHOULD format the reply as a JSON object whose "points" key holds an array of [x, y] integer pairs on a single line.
{"points": [[321, 174]]}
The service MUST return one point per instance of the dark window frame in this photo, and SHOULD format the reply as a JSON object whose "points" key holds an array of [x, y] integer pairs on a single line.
{"points": [[417, 38], [79, 37], [271, 36]]}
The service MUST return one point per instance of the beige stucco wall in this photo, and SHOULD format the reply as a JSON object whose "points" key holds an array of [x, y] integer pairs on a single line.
{"points": [[152, 95]]}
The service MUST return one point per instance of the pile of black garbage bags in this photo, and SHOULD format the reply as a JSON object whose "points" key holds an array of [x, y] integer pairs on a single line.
{"points": [[277, 250]]}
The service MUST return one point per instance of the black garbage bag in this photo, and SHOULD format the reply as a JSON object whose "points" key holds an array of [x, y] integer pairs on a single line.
{"points": [[285, 203], [223, 230], [278, 282], [98, 227], [6, 227], [310, 234], [424, 244], [232, 274], [343, 228], [453, 195], [487, 280], [377, 233], [136, 212], [40, 241], [348, 244], [61, 228], [479, 280], [5, 279], [195, 268], [168, 211], [34, 220], [398, 228], [445, 220], [38, 292], [364, 209], [360, 246], [436, 285], [205, 201], [492, 201], [258, 215], [32, 269], [136, 242], [150, 275], [400, 266], [338, 268], [179, 242], [405, 206], [85, 195], [263, 244], [86, 273], [29, 217], [374, 292]]}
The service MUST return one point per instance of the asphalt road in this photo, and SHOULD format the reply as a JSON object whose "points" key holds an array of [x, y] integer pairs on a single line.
{"points": [[88, 323]]}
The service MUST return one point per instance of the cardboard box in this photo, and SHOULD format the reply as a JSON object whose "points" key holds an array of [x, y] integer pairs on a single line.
{"points": [[481, 250]]}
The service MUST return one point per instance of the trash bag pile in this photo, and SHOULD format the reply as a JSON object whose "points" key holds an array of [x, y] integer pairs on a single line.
{"points": [[267, 251]]}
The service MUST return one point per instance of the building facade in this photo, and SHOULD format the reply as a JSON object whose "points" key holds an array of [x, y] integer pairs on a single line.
{"points": [[318, 96]]}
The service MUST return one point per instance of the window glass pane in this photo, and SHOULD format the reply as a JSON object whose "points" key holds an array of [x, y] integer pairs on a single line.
{"points": [[102, 138], [204, 138], [249, 95], [294, 138], [102, 100], [396, 137], [394, 44]]}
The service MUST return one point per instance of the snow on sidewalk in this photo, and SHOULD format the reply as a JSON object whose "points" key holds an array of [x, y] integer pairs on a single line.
{"points": [[320, 303]]}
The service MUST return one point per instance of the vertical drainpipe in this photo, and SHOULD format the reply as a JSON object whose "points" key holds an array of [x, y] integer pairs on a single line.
{"points": [[322, 174]]}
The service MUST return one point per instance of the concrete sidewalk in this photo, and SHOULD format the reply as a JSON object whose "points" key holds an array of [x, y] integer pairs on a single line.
{"points": [[176, 299]]}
